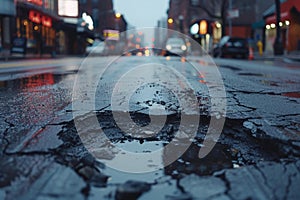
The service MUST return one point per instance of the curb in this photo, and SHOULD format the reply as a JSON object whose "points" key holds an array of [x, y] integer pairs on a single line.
{"points": [[287, 59]]}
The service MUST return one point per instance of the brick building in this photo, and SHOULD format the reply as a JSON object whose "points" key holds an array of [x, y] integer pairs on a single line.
{"points": [[103, 15], [54, 26], [245, 24], [290, 26]]}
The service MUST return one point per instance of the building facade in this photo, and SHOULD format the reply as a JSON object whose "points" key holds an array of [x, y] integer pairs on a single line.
{"points": [[248, 23], [108, 24], [103, 15], [160, 34], [36, 24], [185, 16], [244, 13], [54, 26], [179, 13], [289, 24], [7, 17]]}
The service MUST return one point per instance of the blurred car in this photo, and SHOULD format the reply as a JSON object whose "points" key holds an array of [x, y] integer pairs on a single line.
{"points": [[144, 51], [231, 46], [97, 48], [176, 46]]}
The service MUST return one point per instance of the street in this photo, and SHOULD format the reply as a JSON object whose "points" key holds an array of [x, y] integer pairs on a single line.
{"points": [[149, 127]]}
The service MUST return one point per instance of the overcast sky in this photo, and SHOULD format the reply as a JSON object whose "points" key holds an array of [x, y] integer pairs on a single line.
{"points": [[142, 13]]}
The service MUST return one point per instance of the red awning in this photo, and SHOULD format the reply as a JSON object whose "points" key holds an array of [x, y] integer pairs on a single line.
{"points": [[285, 9]]}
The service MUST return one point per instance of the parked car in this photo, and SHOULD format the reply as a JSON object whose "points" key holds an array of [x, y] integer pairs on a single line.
{"points": [[231, 46], [144, 51], [97, 48], [176, 46]]}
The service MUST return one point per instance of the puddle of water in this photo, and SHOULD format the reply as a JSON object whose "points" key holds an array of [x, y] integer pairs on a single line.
{"points": [[134, 157], [33, 81], [136, 146], [220, 158], [35, 98], [117, 177], [189, 162]]}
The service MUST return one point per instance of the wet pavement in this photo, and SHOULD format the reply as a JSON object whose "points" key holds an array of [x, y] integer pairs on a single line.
{"points": [[50, 149]]}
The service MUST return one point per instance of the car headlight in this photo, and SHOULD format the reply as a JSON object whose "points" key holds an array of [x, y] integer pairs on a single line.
{"points": [[169, 47], [183, 47]]}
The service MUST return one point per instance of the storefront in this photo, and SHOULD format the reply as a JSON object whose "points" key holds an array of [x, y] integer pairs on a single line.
{"points": [[7, 17], [75, 29], [206, 33], [73, 34], [37, 26], [290, 27], [48, 27]]}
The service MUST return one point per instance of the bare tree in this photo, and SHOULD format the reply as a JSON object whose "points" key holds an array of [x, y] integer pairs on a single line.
{"points": [[216, 9]]}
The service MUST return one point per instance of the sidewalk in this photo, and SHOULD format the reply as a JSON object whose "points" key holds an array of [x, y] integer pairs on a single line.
{"points": [[291, 57], [12, 57], [6, 56]]}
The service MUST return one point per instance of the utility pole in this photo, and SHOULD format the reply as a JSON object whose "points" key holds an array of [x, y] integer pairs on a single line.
{"points": [[230, 19], [181, 18], [278, 46]]}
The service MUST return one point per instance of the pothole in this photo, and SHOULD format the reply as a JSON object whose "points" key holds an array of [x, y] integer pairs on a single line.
{"points": [[235, 148]]}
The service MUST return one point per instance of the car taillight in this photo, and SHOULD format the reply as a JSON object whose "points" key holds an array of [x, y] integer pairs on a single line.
{"points": [[228, 44]]}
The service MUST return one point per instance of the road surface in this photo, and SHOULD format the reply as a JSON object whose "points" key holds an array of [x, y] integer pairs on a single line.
{"points": [[134, 127]]}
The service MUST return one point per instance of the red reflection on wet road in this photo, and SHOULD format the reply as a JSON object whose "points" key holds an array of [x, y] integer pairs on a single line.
{"points": [[37, 81], [292, 94]]}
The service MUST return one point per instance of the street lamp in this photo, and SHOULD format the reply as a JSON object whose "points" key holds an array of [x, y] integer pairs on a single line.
{"points": [[117, 20], [118, 15], [170, 21], [181, 18]]}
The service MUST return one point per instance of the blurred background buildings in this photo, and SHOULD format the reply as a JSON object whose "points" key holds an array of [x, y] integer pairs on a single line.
{"points": [[238, 18], [55, 26], [68, 26]]}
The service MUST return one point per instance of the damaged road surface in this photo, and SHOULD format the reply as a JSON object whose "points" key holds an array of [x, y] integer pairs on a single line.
{"points": [[139, 128]]}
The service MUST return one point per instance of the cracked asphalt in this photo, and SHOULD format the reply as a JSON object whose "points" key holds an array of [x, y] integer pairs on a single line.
{"points": [[50, 149]]}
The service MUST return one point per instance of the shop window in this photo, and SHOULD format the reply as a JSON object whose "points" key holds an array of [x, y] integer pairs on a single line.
{"points": [[18, 27]]}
